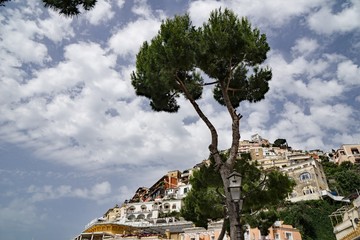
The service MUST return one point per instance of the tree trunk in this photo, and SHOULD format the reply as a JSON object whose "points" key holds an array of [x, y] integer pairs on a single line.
{"points": [[223, 230], [225, 168], [233, 207]]}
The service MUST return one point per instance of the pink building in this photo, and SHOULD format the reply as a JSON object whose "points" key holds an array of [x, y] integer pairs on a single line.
{"points": [[279, 231]]}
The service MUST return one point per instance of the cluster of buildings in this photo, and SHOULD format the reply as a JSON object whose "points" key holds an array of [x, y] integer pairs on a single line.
{"points": [[153, 213]]}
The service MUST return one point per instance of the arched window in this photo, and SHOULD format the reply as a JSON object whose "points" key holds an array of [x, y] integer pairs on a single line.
{"points": [[141, 216], [174, 206], [166, 206], [131, 209], [305, 176], [308, 190]]}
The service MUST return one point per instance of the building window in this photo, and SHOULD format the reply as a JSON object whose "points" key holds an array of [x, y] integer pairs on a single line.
{"points": [[277, 236], [185, 190], [131, 209], [305, 176], [308, 190], [174, 206], [355, 151], [288, 236]]}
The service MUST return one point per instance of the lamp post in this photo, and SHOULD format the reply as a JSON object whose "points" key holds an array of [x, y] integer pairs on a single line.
{"points": [[235, 192]]}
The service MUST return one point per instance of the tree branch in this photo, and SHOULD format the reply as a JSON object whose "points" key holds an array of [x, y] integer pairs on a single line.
{"points": [[211, 83], [220, 194], [223, 227], [213, 147]]}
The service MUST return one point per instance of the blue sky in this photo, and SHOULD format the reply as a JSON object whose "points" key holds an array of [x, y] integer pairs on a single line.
{"points": [[75, 140]]}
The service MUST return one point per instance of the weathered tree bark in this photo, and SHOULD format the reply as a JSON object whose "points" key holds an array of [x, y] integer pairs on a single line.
{"points": [[225, 168], [223, 230]]}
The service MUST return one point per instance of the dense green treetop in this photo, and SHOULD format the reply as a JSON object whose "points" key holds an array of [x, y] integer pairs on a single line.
{"points": [[227, 49], [280, 142], [66, 7], [343, 178], [311, 218], [261, 191]]}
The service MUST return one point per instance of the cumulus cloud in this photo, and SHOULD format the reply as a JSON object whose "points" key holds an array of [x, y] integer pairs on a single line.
{"points": [[199, 11], [326, 21], [101, 13], [25, 28], [305, 46], [348, 72], [304, 78], [272, 14], [127, 40], [142, 8], [56, 27], [120, 3]]}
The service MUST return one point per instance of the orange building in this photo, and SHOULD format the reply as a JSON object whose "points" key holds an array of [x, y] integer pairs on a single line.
{"points": [[279, 231]]}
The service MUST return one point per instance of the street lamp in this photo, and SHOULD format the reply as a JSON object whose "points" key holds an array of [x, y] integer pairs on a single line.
{"points": [[235, 186], [235, 192]]}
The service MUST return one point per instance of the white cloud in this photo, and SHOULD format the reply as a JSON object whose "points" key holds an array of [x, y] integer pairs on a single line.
{"points": [[304, 78], [20, 41], [336, 117], [199, 11], [325, 21], [142, 9], [49, 192], [259, 116], [23, 29], [267, 13], [349, 73], [101, 13], [120, 3], [57, 27], [84, 63], [346, 138], [305, 46], [127, 41]]}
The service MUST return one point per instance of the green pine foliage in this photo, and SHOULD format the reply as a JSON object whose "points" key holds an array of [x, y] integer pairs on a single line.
{"points": [[66, 7], [225, 48], [262, 191], [343, 179], [311, 218]]}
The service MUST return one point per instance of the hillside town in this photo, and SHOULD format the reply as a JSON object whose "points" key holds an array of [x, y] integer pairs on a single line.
{"points": [[149, 214]]}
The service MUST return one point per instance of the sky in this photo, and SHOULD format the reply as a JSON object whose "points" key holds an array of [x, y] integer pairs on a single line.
{"points": [[75, 139]]}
